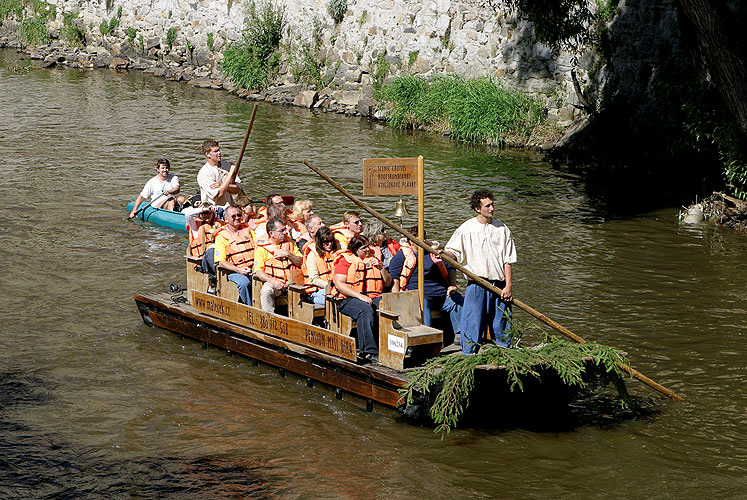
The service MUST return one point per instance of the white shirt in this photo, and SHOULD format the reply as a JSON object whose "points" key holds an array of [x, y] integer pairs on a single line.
{"points": [[155, 186], [214, 173], [483, 248]]}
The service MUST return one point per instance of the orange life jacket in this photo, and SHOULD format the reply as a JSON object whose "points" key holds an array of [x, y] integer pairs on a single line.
{"points": [[411, 261], [345, 233], [280, 269], [323, 265], [298, 226], [362, 276], [240, 248], [204, 239]]}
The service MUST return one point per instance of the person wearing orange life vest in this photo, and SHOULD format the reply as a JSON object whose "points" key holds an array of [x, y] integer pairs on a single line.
{"points": [[234, 250], [360, 278], [248, 212], [439, 285], [275, 262], [350, 226], [201, 227], [273, 210], [299, 214], [384, 248], [271, 199], [318, 263]]}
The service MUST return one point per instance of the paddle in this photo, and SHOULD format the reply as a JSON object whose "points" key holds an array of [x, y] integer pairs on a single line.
{"points": [[485, 284], [147, 205]]}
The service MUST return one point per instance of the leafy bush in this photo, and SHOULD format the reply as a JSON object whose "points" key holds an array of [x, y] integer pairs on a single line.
{"points": [[211, 42], [104, 27], [474, 110], [170, 37], [74, 35], [131, 33], [251, 62], [34, 31], [337, 9]]}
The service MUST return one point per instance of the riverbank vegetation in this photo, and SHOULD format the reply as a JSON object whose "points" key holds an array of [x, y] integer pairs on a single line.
{"points": [[453, 377], [252, 62], [472, 110]]}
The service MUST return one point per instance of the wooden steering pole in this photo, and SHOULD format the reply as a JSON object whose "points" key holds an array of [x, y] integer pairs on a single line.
{"points": [[485, 284]]}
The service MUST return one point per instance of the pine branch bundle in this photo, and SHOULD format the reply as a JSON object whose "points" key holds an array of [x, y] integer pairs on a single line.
{"points": [[456, 373]]}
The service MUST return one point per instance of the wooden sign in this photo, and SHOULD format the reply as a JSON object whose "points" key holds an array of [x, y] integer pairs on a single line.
{"points": [[277, 326], [390, 176]]}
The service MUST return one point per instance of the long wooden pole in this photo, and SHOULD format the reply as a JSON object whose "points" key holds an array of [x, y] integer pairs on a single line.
{"points": [[421, 235], [487, 285], [246, 138]]}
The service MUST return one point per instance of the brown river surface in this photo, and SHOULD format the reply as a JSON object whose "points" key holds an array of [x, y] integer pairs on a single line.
{"points": [[94, 404]]}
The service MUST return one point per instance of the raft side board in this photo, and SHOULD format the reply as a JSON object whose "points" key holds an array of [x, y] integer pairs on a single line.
{"points": [[278, 326], [163, 302], [388, 396]]}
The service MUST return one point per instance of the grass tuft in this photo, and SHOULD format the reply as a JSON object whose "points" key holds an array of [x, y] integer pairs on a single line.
{"points": [[474, 110]]}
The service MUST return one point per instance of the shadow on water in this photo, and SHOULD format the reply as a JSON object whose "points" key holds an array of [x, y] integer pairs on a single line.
{"points": [[34, 465]]}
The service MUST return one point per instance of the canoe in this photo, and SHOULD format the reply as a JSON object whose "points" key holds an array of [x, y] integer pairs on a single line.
{"points": [[167, 218], [327, 354]]}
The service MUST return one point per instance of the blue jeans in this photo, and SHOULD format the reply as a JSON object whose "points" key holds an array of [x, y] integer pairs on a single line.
{"points": [[318, 297], [243, 283], [450, 305], [484, 310], [366, 319]]}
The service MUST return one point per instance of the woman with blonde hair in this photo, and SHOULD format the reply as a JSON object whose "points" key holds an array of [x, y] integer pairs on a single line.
{"points": [[299, 214]]}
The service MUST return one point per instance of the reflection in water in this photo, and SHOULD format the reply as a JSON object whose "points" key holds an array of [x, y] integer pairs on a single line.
{"points": [[94, 402]]}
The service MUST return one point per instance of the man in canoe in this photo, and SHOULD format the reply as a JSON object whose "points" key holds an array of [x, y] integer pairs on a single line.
{"points": [[161, 189], [485, 247], [234, 250], [277, 262], [218, 179]]}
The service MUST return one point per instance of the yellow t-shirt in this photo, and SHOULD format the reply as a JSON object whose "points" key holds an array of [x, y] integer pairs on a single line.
{"points": [[262, 255]]}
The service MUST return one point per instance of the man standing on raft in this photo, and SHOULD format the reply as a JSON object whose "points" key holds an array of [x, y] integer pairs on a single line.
{"points": [[217, 179], [485, 247]]}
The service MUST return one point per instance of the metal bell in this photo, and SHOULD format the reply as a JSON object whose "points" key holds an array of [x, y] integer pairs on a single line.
{"points": [[400, 210]]}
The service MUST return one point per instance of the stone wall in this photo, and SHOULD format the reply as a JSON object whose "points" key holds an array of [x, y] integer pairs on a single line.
{"points": [[467, 37]]}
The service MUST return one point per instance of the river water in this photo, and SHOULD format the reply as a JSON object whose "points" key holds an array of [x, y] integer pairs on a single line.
{"points": [[94, 404]]}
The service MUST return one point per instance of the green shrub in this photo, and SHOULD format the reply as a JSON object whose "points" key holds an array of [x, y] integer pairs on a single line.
{"points": [[252, 61], [380, 71], [131, 33], [211, 42], [34, 31], [475, 110], [11, 9], [337, 9], [413, 57], [307, 64], [104, 27], [74, 35], [171, 37]]}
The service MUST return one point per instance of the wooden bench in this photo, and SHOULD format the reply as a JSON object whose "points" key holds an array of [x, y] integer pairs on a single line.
{"points": [[196, 280], [400, 331], [225, 288], [336, 321], [296, 278], [300, 308]]}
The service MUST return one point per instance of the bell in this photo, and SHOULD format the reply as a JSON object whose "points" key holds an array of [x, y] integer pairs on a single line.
{"points": [[400, 210]]}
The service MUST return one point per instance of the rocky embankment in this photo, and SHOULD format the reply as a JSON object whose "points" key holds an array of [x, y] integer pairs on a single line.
{"points": [[120, 57]]}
